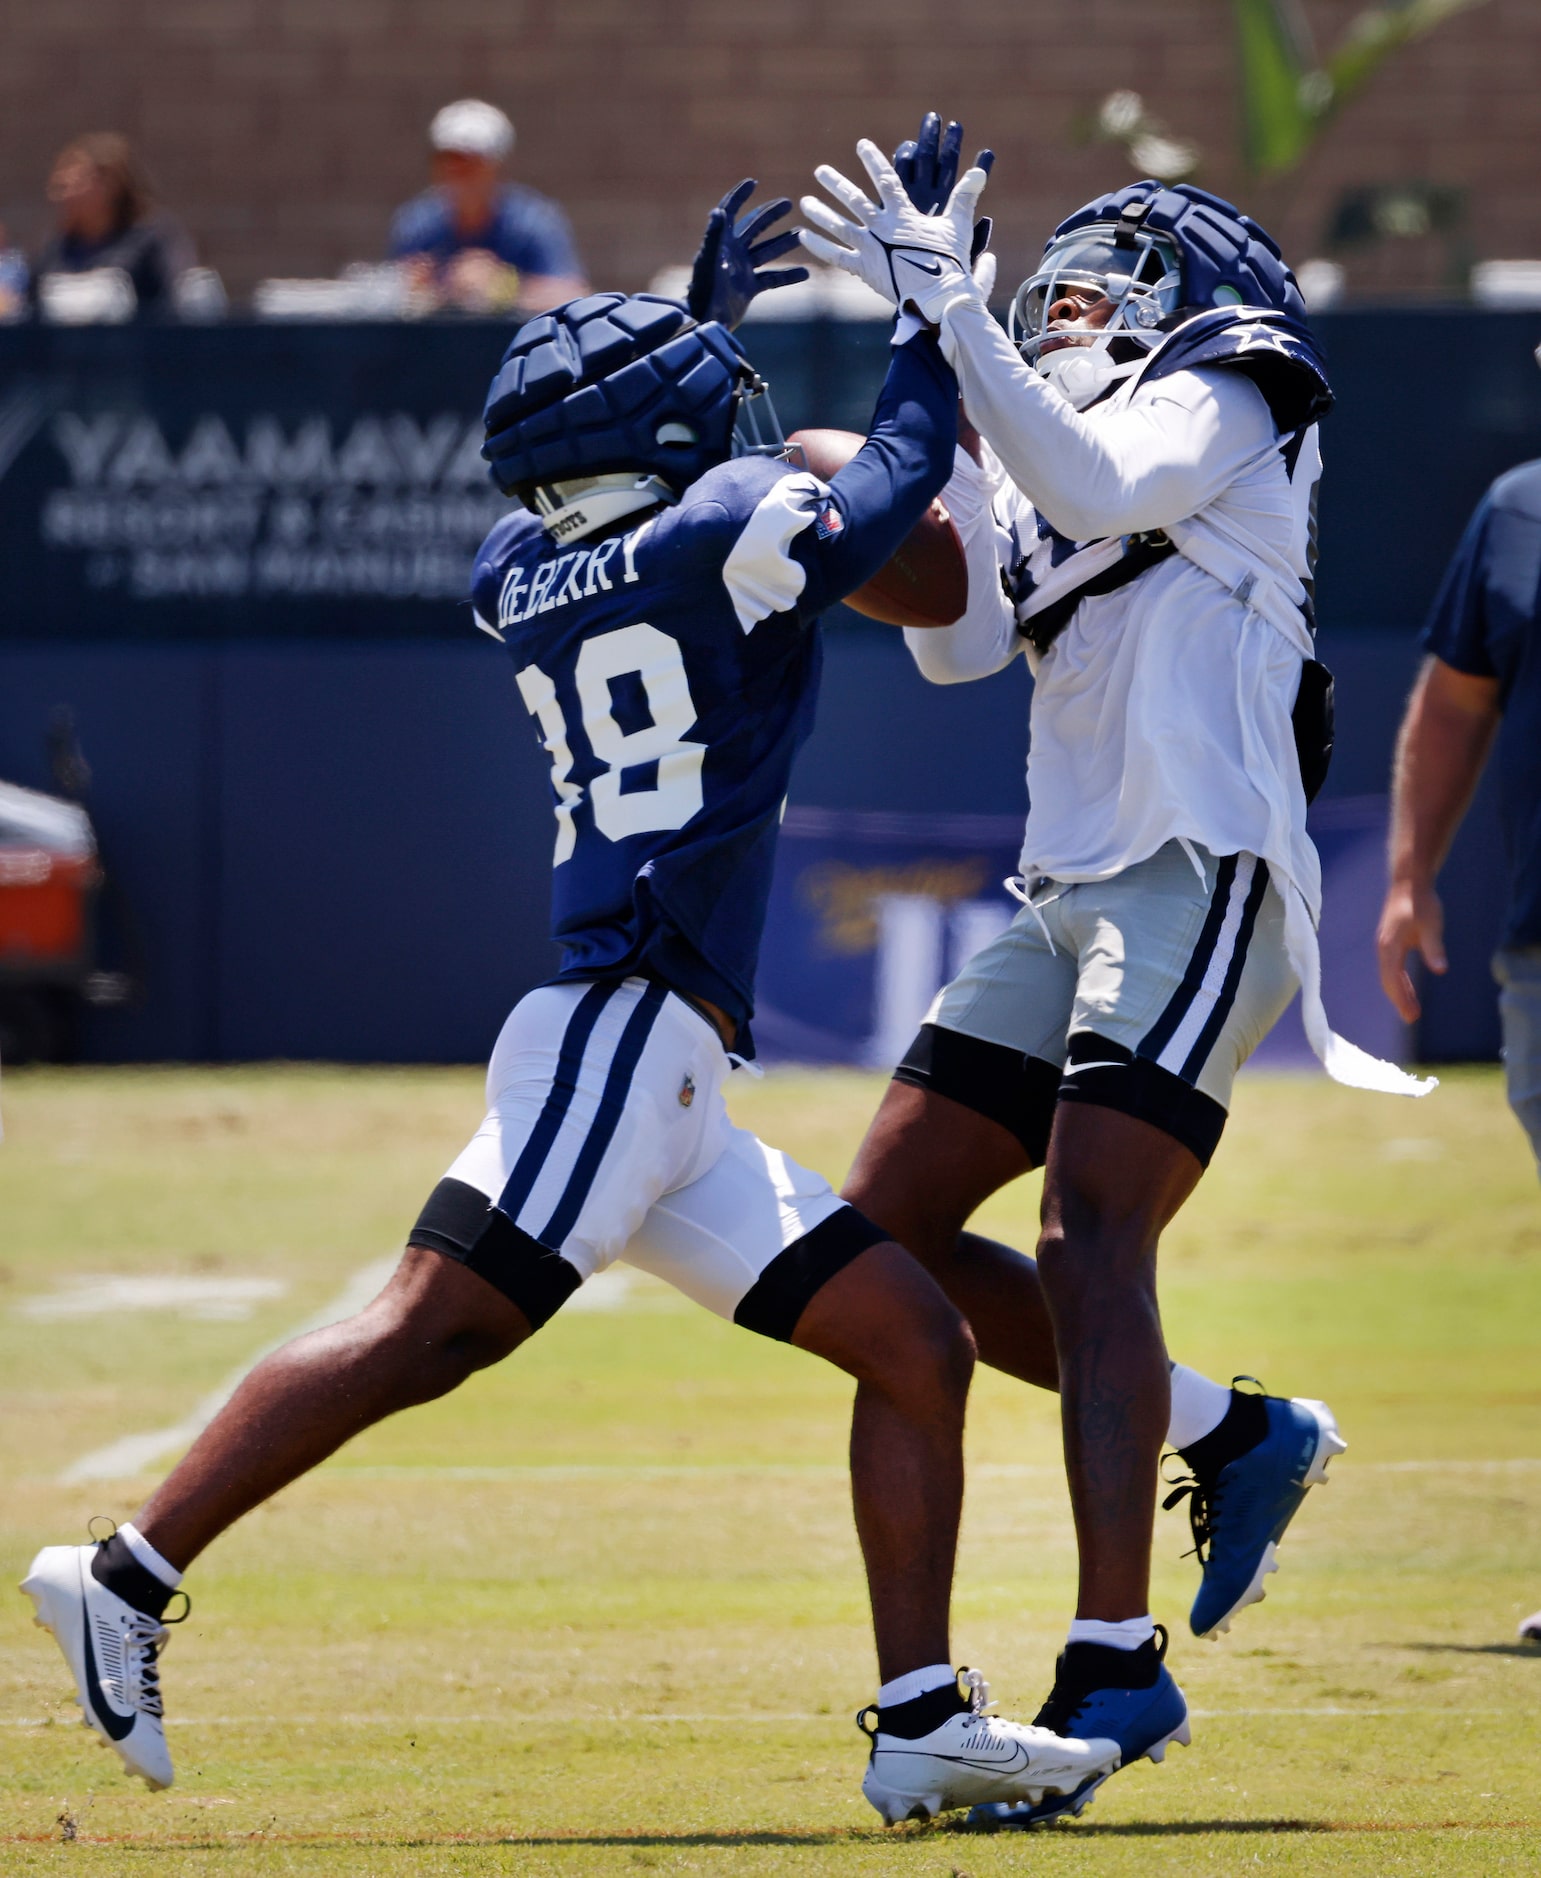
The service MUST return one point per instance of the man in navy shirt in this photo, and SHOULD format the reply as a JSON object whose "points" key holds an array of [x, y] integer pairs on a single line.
{"points": [[474, 241], [659, 591], [1481, 681]]}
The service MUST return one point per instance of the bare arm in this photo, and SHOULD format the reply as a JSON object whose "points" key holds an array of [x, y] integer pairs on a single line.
{"points": [[1443, 745]]}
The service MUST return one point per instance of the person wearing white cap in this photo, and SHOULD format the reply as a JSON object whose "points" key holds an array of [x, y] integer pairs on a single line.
{"points": [[474, 241]]}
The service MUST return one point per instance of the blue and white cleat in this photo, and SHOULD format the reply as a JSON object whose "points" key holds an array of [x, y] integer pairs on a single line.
{"points": [[966, 1756], [1240, 1513], [1128, 1696]]}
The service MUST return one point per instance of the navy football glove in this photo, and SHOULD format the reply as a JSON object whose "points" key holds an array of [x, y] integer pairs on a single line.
{"points": [[731, 266], [927, 165]]}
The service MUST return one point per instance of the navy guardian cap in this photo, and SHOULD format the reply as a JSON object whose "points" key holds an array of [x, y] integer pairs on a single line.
{"points": [[618, 402]]}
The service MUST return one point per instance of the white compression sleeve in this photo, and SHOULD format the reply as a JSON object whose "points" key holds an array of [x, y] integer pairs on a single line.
{"points": [[986, 638], [1174, 448]]}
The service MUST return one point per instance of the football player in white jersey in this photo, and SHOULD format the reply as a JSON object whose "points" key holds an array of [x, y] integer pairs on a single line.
{"points": [[1137, 508]]}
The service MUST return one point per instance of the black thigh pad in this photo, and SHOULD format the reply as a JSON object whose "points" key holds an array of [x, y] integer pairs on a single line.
{"points": [[462, 1223], [1016, 1091], [783, 1291], [1110, 1076]]}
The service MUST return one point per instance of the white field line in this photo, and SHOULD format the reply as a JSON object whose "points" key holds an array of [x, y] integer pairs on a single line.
{"points": [[638, 1718], [761, 1470], [210, 1298], [132, 1454]]}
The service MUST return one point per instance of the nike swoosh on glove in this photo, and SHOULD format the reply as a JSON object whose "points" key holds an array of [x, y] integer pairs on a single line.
{"points": [[916, 261], [927, 165]]}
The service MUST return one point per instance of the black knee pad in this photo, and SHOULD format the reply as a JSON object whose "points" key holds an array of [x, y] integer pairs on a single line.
{"points": [[461, 1222]]}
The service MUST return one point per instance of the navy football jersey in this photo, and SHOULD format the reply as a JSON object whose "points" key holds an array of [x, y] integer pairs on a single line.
{"points": [[673, 672]]}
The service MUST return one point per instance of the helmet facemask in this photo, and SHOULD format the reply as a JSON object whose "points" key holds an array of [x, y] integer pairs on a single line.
{"points": [[1139, 271], [756, 427]]}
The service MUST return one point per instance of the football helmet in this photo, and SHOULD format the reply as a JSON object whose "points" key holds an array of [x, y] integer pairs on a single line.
{"points": [[1161, 253], [616, 403]]}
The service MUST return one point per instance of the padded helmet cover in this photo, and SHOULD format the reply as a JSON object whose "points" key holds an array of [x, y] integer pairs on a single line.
{"points": [[1219, 249], [613, 382]]}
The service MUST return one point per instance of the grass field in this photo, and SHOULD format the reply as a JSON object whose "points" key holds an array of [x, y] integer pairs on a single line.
{"points": [[602, 1611]]}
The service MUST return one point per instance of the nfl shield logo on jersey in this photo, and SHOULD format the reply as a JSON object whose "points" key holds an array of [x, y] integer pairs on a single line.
{"points": [[828, 522]]}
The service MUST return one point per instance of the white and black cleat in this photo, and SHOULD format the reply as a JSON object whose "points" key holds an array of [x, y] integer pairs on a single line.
{"points": [[970, 1758], [112, 1650], [1530, 1630]]}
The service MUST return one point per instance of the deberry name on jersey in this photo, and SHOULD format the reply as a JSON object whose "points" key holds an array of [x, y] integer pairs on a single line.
{"points": [[577, 575], [670, 658]]}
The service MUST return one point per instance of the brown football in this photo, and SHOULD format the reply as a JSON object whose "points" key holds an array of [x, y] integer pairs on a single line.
{"points": [[925, 582]]}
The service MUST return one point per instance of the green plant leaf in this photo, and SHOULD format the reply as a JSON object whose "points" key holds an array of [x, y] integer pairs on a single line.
{"points": [[1377, 32], [1287, 94], [1276, 62]]}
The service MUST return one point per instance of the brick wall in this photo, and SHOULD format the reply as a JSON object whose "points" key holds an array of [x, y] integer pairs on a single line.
{"points": [[284, 131]]}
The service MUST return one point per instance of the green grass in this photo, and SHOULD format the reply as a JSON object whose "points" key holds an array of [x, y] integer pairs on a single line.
{"points": [[602, 1611]]}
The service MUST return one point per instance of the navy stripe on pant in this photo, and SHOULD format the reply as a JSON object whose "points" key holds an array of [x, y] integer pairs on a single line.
{"points": [[564, 1085], [623, 1066]]}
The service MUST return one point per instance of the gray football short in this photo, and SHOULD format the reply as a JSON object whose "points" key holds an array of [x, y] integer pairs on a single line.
{"points": [[1518, 971], [1145, 993]]}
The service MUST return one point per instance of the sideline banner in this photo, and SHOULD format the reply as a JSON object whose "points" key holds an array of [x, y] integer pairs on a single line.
{"points": [[870, 915], [283, 480], [1350, 835], [260, 481]]}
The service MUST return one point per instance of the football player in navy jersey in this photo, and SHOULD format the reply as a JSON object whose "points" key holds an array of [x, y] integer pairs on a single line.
{"points": [[658, 590]]}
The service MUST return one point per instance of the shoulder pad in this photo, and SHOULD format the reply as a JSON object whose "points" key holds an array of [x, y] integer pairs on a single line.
{"points": [[739, 486], [1277, 353], [520, 529]]}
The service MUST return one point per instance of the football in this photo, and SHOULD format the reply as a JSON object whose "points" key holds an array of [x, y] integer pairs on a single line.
{"points": [[925, 582]]}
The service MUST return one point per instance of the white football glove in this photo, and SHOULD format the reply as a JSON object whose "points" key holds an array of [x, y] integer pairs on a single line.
{"points": [[915, 260]]}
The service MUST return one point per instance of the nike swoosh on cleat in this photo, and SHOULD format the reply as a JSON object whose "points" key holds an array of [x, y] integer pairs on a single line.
{"points": [[1020, 1760], [114, 1725]]}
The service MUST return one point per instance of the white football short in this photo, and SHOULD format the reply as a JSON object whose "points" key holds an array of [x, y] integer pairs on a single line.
{"points": [[606, 1137]]}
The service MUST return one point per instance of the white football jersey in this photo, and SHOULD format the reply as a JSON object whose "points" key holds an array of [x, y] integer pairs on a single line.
{"points": [[1161, 710]]}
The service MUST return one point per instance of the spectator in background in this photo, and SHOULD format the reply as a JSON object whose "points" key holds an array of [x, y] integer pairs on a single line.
{"points": [[1480, 684], [106, 217], [478, 243]]}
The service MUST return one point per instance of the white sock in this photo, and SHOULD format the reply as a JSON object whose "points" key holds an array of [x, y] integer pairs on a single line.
{"points": [[147, 1556], [1128, 1634], [915, 1682], [1198, 1406]]}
